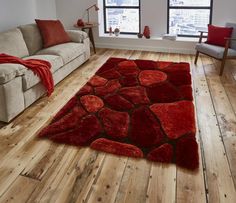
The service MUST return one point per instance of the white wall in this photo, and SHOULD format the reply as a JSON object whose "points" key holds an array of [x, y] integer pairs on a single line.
{"points": [[69, 11], [224, 11], [46, 9], [17, 12]]}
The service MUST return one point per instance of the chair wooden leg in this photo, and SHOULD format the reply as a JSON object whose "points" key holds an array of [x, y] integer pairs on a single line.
{"points": [[222, 66], [224, 57], [196, 57]]}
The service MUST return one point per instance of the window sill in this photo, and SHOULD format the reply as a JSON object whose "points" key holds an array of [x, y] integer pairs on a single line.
{"points": [[125, 36]]}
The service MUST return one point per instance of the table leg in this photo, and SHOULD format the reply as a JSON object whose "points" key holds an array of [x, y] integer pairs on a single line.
{"points": [[90, 33]]}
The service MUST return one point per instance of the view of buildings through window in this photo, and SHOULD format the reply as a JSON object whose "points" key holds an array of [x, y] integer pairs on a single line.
{"points": [[187, 17], [122, 14]]}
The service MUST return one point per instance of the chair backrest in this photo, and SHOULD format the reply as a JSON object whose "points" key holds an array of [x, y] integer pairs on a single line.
{"points": [[233, 43]]}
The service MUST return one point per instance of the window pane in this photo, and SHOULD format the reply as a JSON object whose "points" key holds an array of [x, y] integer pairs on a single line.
{"points": [[127, 20], [190, 2], [188, 21], [122, 2]]}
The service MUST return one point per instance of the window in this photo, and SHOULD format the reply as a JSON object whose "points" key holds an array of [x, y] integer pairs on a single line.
{"points": [[187, 17], [122, 14]]}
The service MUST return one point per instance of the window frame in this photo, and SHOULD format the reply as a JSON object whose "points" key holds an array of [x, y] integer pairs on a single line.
{"points": [[188, 7], [121, 7]]}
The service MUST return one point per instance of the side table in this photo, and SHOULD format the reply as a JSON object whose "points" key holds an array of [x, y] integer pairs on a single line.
{"points": [[88, 27]]}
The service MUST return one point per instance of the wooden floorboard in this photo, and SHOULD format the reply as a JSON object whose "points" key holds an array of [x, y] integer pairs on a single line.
{"points": [[33, 170]]}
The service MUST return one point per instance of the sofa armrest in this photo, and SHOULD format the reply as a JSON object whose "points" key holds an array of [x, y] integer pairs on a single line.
{"points": [[11, 99], [8, 71], [77, 35]]}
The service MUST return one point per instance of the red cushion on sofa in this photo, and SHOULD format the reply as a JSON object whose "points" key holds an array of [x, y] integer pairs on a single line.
{"points": [[52, 32], [217, 35]]}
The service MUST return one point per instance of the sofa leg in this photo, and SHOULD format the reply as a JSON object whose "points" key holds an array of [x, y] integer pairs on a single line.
{"points": [[222, 66], [196, 57]]}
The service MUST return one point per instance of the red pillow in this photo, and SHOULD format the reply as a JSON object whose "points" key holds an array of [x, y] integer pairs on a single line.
{"points": [[217, 35], [52, 32]]}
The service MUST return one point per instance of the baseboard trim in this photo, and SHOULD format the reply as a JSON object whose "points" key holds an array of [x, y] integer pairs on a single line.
{"points": [[145, 48]]}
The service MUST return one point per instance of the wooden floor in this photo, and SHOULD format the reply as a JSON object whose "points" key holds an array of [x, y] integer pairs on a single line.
{"points": [[33, 170]]}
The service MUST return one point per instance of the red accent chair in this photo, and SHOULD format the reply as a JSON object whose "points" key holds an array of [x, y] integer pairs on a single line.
{"points": [[218, 52]]}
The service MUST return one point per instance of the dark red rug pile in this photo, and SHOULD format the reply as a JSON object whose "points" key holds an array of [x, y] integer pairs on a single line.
{"points": [[136, 108]]}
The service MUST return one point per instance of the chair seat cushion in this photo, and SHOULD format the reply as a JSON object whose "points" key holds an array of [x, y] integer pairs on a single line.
{"points": [[67, 51], [29, 79], [213, 50]]}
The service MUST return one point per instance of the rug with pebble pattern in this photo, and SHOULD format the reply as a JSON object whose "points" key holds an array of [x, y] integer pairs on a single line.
{"points": [[135, 108]]}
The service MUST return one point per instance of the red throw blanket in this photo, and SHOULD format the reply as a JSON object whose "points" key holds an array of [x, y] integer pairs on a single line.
{"points": [[40, 67]]}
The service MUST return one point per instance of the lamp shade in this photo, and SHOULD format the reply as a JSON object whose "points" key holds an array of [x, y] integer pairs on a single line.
{"points": [[96, 8]]}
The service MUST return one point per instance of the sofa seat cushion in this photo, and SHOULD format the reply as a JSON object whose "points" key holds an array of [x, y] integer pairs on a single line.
{"points": [[67, 51], [8, 71], [29, 79], [56, 61], [213, 50]]}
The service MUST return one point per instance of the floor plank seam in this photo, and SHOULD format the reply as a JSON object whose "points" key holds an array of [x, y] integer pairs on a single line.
{"points": [[122, 177], [28, 199], [26, 176], [1, 195], [176, 188], [76, 185], [74, 156], [203, 154], [130, 57], [226, 92], [146, 190], [95, 180], [49, 168], [201, 144]]}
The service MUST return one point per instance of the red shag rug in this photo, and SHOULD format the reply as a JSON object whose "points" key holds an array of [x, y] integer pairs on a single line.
{"points": [[136, 108]]}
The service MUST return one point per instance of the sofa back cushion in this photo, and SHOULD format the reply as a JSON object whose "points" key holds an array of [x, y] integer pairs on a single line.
{"points": [[32, 37], [12, 43]]}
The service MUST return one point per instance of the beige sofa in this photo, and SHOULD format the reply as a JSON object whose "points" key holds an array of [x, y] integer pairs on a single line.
{"points": [[19, 87]]}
